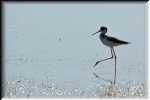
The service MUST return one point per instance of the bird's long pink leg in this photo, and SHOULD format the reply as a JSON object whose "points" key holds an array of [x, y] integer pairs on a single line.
{"points": [[115, 66], [104, 59]]}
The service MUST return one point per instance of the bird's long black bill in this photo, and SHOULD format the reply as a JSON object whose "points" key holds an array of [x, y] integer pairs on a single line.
{"points": [[95, 33]]}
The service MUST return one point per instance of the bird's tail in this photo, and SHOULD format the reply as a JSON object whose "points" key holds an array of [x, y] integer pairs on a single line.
{"points": [[124, 42], [128, 43]]}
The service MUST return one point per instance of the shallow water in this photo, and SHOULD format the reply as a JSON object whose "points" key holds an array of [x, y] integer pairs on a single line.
{"points": [[69, 81], [25, 88]]}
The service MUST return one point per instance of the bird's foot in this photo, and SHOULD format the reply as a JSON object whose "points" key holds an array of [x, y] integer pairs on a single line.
{"points": [[96, 64], [95, 75]]}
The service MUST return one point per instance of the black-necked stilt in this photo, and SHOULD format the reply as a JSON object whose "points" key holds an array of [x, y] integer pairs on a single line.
{"points": [[110, 42]]}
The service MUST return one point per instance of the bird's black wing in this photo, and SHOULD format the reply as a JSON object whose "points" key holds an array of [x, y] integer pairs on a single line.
{"points": [[115, 40]]}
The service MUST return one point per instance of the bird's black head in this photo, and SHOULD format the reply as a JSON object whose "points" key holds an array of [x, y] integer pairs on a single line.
{"points": [[102, 29]]}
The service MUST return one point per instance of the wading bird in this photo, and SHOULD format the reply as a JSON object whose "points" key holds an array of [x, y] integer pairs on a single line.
{"points": [[110, 42]]}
